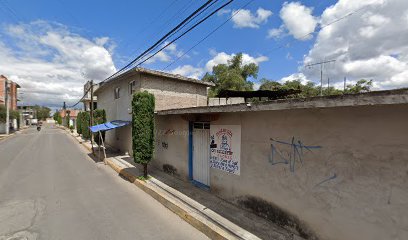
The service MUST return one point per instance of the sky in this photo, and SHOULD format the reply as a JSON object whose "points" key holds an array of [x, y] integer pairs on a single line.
{"points": [[51, 48]]}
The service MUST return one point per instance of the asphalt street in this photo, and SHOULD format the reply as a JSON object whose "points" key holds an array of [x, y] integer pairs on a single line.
{"points": [[51, 189]]}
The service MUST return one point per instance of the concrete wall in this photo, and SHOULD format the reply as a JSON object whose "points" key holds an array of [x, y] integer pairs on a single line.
{"points": [[169, 93], [353, 187]]}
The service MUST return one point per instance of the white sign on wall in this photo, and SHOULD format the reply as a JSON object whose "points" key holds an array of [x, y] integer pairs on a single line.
{"points": [[225, 148]]}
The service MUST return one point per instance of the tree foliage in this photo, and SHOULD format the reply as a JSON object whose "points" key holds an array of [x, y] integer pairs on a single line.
{"points": [[143, 104], [13, 114], [42, 112], [78, 123], [311, 90], [99, 116], [57, 117], [232, 76], [85, 118]]}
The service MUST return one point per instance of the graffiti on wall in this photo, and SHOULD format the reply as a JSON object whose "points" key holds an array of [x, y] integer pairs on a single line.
{"points": [[289, 153], [292, 153], [225, 148]]}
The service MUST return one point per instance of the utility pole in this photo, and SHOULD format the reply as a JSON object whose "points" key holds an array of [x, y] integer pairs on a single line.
{"points": [[91, 116], [321, 71], [7, 106], [328, 86], [344, 87]]}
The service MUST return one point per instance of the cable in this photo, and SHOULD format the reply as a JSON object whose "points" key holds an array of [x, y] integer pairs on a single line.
{"points": [[208, 35], [161, 39], [126, 44], [191, 28]]}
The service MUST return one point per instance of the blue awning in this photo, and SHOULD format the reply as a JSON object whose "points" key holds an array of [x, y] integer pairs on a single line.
{"points": [[109, 125]]}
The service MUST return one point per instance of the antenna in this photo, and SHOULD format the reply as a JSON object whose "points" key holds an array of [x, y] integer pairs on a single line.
{"points": [[321, 71]]}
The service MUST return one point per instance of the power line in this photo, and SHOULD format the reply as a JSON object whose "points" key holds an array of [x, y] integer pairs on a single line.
{"points": [[161, 39], [148, 25], [189, 21], [188, 30], [164, 37], [208, 35]]}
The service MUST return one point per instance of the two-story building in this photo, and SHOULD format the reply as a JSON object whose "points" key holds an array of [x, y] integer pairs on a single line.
{"points": [[171, 91], [12, 99]]}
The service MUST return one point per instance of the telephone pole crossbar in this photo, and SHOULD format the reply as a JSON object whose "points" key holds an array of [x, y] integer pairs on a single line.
{"points": [[321, 71]]}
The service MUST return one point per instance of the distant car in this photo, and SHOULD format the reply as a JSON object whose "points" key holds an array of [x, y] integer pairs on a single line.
{"points": [[34, 121]]}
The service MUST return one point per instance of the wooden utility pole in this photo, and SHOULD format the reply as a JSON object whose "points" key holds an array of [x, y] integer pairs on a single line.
{"points": [[91, 116], [321, 72]]}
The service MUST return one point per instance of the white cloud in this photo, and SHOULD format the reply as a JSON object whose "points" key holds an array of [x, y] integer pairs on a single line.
{"points": [[222, 58], [188, 71], [370, 44], [223, 11], [167, 54], [276, 32], [245, 19], [50, 62], [296, 76], [298, 20]]}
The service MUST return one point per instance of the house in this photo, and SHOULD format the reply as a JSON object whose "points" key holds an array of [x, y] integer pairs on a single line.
{"points": [[12, 100], [335, 166], [73, 114], [26, 114], [86, 100], [170, 91]]}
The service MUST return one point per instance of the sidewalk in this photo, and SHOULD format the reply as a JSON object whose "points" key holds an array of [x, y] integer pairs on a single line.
{"points": [[211, 215]]}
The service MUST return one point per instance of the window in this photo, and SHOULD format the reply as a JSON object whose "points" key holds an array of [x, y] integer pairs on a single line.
{"points": [[132, 87], [117, 92]]}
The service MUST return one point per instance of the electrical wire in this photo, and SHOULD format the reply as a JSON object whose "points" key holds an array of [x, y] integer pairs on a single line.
{"points": [[160, 40], [208, 35], [187, 31]]}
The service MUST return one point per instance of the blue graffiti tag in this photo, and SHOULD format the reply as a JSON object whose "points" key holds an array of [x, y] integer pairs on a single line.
{"points": [[295, 153]]}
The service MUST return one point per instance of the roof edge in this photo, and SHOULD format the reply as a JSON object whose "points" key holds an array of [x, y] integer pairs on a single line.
{"points": [[385, 97]]}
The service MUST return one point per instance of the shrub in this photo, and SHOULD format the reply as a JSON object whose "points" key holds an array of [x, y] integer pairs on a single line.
{"points": [[99, 118], [85, 125], [78, 123], [143, 128]]}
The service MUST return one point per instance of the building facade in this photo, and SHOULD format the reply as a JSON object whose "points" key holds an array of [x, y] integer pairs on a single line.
{"points": [[12, 94], [170, 91], [337, 167], [12, 101], [86, 100]]}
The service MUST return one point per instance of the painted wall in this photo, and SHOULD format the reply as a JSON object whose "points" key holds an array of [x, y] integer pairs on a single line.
{"points": [[350, 173], [168, 93]]}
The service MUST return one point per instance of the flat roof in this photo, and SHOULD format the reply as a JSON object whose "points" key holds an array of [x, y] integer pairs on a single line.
{"points": [[154, 73], [386, 97]]}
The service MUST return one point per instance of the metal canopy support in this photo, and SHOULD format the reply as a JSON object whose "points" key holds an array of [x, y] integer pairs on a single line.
{"points": [[103, 147]]}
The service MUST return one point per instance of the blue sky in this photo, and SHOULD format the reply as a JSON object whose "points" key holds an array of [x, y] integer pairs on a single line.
{"points": [[71, 41]]}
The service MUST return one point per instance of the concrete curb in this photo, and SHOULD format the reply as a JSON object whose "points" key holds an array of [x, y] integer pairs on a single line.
{"points": [[203, 219]]}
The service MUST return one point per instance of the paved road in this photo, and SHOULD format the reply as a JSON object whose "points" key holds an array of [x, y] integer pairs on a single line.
{"points": [[51, 189]]}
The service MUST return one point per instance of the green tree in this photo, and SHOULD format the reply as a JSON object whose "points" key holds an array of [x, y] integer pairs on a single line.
{"points": [[78, 123], [361, 86], [143, 104], [42, 112], [85, 118], [57, 117], [232, 76], [3, 114], [99, 118]]}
